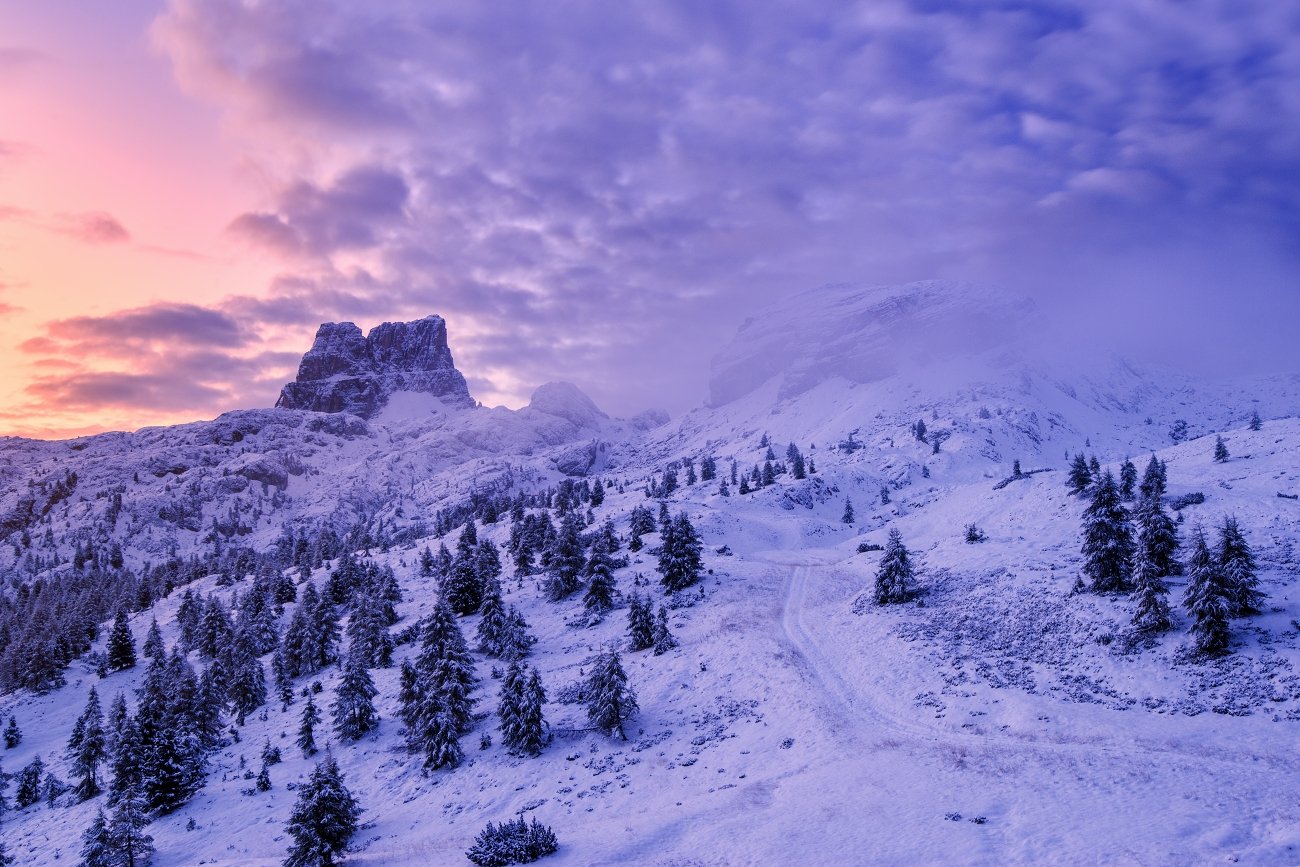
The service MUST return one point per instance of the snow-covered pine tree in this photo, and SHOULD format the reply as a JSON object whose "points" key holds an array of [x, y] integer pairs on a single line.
{"points": [[283, 680], [848, 517], [13, 734], [680, 561], [896, 574], [512, 842], [1128, 476], [1154, 479], [324, 818], [1255, 422], [27, 789], [517, 642], [599, 569], [566, 560], [640, 623], [1152, 613], [153, 642], [1107, 538], [354, 706], [1220, 450], [610, 701], [1080, 477], [663, 638], [1238, 564], [1157, 536], [245, 678], [1207, 598], [133, 847], [121, 644], [88, 747], [494, 625], [97, 846], [306, 739]]}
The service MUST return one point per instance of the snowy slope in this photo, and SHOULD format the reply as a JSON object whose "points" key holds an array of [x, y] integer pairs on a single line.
{"points": [[1000, 718]]}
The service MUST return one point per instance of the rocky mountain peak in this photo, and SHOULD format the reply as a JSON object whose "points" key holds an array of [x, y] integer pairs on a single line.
{"points": [[345, 372]]}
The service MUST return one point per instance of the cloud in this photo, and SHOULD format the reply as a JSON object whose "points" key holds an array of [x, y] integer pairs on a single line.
{"points": [[14, 59], [94, 227], [97, 390], [125, 332], [600, 192]]}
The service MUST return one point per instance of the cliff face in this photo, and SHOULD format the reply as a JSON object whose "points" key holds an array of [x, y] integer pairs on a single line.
{"points": [[346, 372]]}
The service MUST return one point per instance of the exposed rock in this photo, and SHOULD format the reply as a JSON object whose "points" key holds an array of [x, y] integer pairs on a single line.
{"points": [[345, 372], [565, 400]]}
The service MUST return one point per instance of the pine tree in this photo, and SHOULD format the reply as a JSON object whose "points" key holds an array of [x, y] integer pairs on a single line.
{"points": [[610, 701], [494, 625], [1220, 450], [599, 596], [1238, 564], [153, 642], [27, 791], [512, 842], [848, 517], [520, 710], [436, 703], [1255, 422], [1154, 479], [1107, 538], [245, 678], [462, 589], [121, 644], [517, 641], [1157, 536], [663, 639], [1128, 475], [283, 680], [324, 818], [1080, 477], [896, 573], [307, 728], [1207, 598], [567, 560], [640, 623], [263, 781], [680, 561], [134, 848], [13, 735], [354, 708], [1152, 613], [88, 747], [98, 848]]}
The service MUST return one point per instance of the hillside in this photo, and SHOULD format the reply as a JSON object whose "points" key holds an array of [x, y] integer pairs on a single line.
{"points": [[999, 716]]}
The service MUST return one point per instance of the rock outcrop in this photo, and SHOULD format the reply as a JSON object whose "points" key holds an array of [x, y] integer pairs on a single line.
{"points": [[345, 372]]}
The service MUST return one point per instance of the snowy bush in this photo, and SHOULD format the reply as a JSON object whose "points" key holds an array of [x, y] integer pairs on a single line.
{"points": [[513, 842]]}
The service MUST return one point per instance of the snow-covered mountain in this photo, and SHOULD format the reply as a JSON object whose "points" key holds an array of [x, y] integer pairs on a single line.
{"points": [[1001, 717]]}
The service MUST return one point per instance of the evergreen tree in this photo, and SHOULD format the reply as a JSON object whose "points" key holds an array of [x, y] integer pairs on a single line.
{"points": [[494, 625], [680, 561], [1255, 422], [245, 678], [324, 818], [263, 781], [27, 790], [1107, 538], [1157, 536], [512, 842], [307, 728], [896, 573], [599, 596], [436, 703], [1207, 598], [640, 623], [520, 710], [88, 747], [98, 848], [517, 642], [1080, 477], [1154, 480], [283, 680], [567, 560], [663, 639], [1152, 613], [1220, 450], [153, 642], [1238, 564], [13, 735], [368, 634], [848, 517], [134, 848], [121, 644], [354, 708], [462, 589], [610, 701], [1128, 475]]}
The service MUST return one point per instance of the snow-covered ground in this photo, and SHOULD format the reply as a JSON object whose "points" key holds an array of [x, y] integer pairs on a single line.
{"points": [[1000, 717]]}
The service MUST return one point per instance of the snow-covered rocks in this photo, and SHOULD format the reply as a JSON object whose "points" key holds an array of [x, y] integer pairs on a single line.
{"points": [[345, 372]]}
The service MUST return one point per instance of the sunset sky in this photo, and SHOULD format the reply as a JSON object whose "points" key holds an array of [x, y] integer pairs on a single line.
{"points": [[601, 192]]}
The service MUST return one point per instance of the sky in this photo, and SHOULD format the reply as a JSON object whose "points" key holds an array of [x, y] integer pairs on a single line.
{"points": [[602, 192]]}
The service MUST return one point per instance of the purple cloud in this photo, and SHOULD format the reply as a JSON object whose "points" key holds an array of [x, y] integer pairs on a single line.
{"points": [[606, 190], [138, 391], [124, 332]]}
